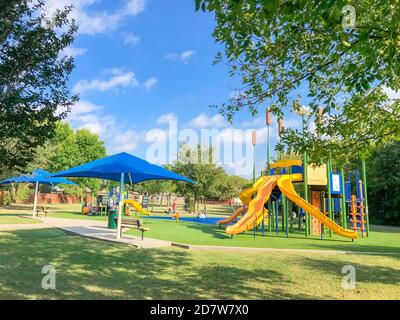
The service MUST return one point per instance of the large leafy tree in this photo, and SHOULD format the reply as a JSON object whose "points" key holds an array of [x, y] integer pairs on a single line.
{"points": [[197, 164], [69, 148], [384, 184], [344, 56], [33, 77]]}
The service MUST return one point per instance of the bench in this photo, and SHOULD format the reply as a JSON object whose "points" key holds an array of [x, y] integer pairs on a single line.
{"points": [[132, 224], [41, 209]]}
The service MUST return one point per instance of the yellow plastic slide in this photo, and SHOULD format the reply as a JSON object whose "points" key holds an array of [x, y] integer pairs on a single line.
{"points": [[264, 187], [286, 186], [247, 194], [232, 217], [245, 197], [137, 206]]}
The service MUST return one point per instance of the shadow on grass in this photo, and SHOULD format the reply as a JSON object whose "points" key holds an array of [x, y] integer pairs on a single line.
{"points": [[90, 269], [364, 273], [213, 230]]}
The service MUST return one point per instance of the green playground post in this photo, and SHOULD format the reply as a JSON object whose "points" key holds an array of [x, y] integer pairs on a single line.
{"points": [[329, 193], [364, 176], [254, 156], [268, 123], [343, 203], [305, 178]]}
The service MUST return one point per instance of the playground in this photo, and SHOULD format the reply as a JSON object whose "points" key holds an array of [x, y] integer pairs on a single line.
{"points": [[297, 222], [92, 269]]}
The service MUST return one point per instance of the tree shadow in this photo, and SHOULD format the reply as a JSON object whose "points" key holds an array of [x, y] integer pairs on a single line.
{"points": [[364, 273], [213, 230]]}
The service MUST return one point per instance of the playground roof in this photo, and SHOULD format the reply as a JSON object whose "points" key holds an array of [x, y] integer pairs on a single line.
{"points": [[40, 176], [135, 169], [286, 163]]}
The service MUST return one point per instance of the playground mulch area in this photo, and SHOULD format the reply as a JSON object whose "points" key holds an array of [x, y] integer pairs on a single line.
{"points": [[92, 269]]}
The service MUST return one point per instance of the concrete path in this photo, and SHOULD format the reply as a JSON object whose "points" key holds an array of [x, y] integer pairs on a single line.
{"points": [[98, 230]]}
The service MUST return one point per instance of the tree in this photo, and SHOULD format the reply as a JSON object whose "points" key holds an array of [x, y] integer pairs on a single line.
{"points": [[231, 186], [196, 163], [346, 56], [33, 77], [383, 175], [69, 148]]}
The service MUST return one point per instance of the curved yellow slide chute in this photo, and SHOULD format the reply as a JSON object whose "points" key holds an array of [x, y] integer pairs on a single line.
{"points": [[232, 217], [264, 187], [247, 194], [137, 206], [286, 186]]}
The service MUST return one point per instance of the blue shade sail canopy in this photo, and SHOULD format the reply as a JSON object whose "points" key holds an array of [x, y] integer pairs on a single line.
{"points": [[135, 170], [38, 176]]}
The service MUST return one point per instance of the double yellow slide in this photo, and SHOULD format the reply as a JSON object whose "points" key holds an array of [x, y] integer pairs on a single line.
{"points": [[137, 206], [255, 211], [264, 187]]}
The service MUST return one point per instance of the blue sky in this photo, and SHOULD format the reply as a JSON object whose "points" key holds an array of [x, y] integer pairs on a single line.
{"points": [[142, 62]]}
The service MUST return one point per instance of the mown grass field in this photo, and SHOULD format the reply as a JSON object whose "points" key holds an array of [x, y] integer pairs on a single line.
{"points": [[91, 269]]}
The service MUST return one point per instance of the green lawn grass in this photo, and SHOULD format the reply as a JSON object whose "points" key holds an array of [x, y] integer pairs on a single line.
{"points": [[11, 216], [91, 269], [15, 219]]}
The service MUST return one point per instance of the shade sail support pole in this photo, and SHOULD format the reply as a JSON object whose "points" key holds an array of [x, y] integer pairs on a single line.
{"points": [[35, 199], [120, 205]]}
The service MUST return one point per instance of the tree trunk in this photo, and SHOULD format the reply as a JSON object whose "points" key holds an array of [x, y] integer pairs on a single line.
{"points": [[161, 199], [168, 200]]}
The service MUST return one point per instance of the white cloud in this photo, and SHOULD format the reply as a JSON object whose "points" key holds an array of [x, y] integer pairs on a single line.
{"points": [[121, 80], [205, 121], [74, 52], [134, 7], [166, 118], [184, 56], [130, 39], [392, 95], [149, 84], [126, 141], [255, 122], [93, 22], [82, 107]]}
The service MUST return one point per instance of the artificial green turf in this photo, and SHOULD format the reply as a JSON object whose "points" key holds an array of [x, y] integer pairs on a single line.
{"points": [[386, 240], [91, 269]]}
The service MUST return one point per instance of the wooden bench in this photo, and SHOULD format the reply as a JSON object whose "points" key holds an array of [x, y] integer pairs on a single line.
{"points": [[41, 209], [132, 224]]}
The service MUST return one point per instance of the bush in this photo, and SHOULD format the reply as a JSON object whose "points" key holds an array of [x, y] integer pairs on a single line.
{"points": [[22, 193]]}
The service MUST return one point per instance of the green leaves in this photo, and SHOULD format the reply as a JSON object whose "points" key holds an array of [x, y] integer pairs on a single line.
{"points": [[278, 49], [33, 78]]}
